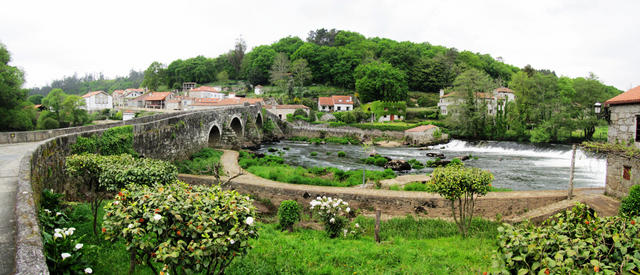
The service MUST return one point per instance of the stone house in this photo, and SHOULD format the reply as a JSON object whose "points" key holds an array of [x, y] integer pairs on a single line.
{"points": [[623, 171], [283, 110], [424, 135], [97, 100], [496, 100], [335, 103]]}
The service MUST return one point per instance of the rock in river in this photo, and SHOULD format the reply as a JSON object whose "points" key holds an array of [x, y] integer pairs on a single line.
{"points": [[398, 165]]}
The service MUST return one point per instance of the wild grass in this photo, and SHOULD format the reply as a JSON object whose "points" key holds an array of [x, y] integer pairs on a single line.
{"points": [[429, 187], [200, 163]]}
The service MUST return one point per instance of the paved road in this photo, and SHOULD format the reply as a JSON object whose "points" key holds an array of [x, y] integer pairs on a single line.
{"points": [[10, 156]]}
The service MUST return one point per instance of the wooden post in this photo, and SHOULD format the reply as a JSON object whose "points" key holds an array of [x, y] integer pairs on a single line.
{"points": [[573, 164], [377, 231]]}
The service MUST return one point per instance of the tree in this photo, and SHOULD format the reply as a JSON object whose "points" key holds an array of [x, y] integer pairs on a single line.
{"points": [[35, 99], [54, 101], [154, 76], [380, 81], [15, 112], [461, 186], [279, 74], [322, 37], [432, 74], [473, 88], [236, 56], [222, 76], [300, 72], [257, 63], [72, 111]]}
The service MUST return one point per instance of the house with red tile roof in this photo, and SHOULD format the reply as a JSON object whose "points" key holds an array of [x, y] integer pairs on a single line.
{"points": [[496, 100], [157, 100], [97, 100], [207, 103], [335, 103], [283, 110], [623, 171], [206, 92]]}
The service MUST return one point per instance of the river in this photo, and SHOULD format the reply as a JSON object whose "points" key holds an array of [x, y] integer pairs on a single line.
{"points": [[518, 166]]}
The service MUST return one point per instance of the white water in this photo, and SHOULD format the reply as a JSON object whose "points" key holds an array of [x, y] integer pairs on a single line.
{"points": [[519, 166]]}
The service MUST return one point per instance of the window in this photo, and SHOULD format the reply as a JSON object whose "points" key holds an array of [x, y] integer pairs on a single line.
{"points": [[339, 108], [280, 116], [347, 108], [626, 173], [638, 128]]}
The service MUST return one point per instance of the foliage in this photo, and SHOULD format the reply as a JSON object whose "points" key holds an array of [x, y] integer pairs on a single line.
{"points": [[288, 214], [630, 205], [342, 154], [268, 126], [200, 163], [376, 160], [461, 186], [79, 85], [154, 76], [16, 113], [613, 148], [380, 81], [415, 164], [273, 168], [64, 253], [576, 241], [333, 213], [313, 154], [51, 200], [382, 108], [35, 99], [186, 228], [113, 141], [336, 140], [257, 63]]}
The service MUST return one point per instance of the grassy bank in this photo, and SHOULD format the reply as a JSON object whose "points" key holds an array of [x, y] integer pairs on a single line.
{"points": [[428, 187], [200, 163], [335, 140], [413, 246], [273, 168]]}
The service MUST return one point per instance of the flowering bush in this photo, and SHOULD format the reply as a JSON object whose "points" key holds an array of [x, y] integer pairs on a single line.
{"points": [[64, 252], [334, 214], [50, 220], [187, 229], [574, 242], [288, 214]]}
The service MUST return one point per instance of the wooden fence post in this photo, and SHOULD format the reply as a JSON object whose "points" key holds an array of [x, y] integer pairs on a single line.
{"points": [[573, 164], [377, 231]]}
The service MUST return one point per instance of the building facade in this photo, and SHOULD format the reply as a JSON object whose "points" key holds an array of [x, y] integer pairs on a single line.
{"points": [[496, 100], [97, 100], [281, 111], [335, 103]]}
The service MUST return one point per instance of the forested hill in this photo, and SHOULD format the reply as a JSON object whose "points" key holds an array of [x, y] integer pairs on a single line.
{"points": [[81, 85]]}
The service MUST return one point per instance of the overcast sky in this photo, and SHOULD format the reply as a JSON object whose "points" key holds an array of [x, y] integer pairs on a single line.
{"points": [[51, 39]]}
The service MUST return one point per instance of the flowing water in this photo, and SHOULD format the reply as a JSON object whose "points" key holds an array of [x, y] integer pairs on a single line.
{"points": [[518, 166]]}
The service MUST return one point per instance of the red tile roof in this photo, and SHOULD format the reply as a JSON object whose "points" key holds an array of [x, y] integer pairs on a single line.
{"points": [[157, 96], [504, 90], [335, 99], [118, 92], [90, 94], [420, 128], [205, 89], [288, 106], [134, 90], [630, 96]]}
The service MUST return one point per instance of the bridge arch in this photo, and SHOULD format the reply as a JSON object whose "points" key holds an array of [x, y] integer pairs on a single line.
{"points": [[259, 120], [237, 126], [215, 135]]}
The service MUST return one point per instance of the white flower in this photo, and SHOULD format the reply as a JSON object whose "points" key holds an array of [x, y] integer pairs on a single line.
{"points": [[332, 220], [79, 246], [357, 225], [58, 214], [157, 217], [231, 241], [348, 209], [88, 270], [116, 202], [65, 255], [48, 211], [249, 220], [130, 226], [57, 230], [251, 232], [57, 235]]}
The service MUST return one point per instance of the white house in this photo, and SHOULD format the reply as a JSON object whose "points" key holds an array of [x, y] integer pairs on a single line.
{"points": [[206, 92], [97, 100], [496, 100], [258, 90], [335, 103], [127, 115]]}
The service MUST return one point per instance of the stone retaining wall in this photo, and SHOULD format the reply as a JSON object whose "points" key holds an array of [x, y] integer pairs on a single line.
{"points": [[617, 186], [321, 132], [396, 203]]}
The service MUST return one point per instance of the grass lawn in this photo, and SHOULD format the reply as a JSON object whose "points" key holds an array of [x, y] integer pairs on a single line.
{"points": [[409, 246], [599, 135]]}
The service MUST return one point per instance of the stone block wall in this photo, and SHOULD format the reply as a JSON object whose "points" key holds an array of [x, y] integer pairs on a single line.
{"points": [[317, 132], [617, 186], [622, 127]]}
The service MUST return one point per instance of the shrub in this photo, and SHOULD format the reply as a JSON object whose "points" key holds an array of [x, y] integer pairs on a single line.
{"points": [[51, 200], [200, 163], [105, 174], [314, 153], [332, 213], [419, 186], [271, 149], [630, 205], [288, 214], [342, 154], [114, 141], [188, 229], [49, 123], [268, 126], [300, 112], [576, 241], [461, 186]]}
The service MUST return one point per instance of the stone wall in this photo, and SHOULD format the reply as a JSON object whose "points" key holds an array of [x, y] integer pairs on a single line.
{"points": [[396, 203], [617, 186], [320, 132], [622, 127]]}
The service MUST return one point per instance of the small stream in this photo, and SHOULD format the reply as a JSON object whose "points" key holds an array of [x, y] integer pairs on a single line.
{"points": [[518, 166]]}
